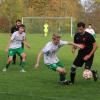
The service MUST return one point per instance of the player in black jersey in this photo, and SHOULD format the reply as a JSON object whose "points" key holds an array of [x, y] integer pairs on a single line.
{"points": [[16, 27], [86, 54]]}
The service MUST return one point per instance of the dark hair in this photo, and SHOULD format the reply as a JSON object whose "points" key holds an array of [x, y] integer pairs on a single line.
{"points": [[90, 24], [18, 20], [81, 24], [22, 25]]}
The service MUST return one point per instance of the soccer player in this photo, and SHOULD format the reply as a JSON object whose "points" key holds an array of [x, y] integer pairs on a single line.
{"points": [[15, 47], [90, 30], [86, 54], [50, 58], [14, 29]]}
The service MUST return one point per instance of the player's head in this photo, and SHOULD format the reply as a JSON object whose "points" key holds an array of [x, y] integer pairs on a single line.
{"points": [[90, 26], [18, 22], [81, 27], [56, 38], [21, 28]]}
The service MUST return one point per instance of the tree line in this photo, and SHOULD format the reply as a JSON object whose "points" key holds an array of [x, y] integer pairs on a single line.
{"points": [[10, 10]]}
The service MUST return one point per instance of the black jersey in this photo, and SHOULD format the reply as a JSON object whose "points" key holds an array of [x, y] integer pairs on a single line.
{"points": [[14, 29], [87, 40]]}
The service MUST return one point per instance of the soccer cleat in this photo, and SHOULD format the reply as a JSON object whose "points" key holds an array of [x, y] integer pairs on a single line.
{"points": [[70, 82], [23, 71], [65, 82], [4, 70], [95, 76]]}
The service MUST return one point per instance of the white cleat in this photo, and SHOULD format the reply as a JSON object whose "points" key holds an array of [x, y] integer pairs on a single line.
{"points": [[23, 71], [4, 70]]}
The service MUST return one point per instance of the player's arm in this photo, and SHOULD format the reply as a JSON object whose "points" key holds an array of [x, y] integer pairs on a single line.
{"points": [[94, 49], [26, 43], [11, 39], [92, 52], [38, 59], [74, 49], [75, 46], [6, 50]]}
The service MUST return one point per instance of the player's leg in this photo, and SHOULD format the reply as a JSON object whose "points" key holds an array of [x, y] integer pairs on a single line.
{"points": [[11, 52], [21, 53], [9, 61], [20, 56], [14, 59], [88, 65], [72, 74], [61, 70], [78, 62]]}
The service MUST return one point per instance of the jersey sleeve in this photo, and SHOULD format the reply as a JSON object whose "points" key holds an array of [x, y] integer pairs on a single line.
{"points": [[13, 36], [63, 42], [75, 38], [46, 48], [24, 36], [91, 39]]}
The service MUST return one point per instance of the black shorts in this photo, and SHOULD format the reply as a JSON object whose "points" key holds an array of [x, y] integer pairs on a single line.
{"points": [[79, 61]]}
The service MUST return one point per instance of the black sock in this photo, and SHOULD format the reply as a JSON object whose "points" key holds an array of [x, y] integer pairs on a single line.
{"points": [[72, 74], [14, 59]]}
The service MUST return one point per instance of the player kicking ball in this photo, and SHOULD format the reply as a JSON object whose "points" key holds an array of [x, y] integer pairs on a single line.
{"points": [[85, 55], [50, 58], [15, 47]]}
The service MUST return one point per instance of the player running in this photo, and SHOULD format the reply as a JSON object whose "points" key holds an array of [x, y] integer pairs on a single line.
{"points": [[86, 54], [15, 47], [50, 58]]}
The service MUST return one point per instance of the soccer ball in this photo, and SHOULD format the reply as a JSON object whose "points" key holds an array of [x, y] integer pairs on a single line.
{"points": [[87, 74]]}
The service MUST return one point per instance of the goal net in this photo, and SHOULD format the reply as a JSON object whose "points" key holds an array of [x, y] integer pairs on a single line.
{"points": [[38, 25]]}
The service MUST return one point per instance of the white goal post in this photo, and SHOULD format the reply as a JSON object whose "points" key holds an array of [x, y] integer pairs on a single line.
{"points": [[51, 18]]}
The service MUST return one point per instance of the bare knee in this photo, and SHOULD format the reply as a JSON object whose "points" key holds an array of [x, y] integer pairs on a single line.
{"points": [[61, 70], [23, 56]]}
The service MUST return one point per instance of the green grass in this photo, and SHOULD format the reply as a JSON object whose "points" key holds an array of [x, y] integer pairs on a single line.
{"points": [[41, 84]]}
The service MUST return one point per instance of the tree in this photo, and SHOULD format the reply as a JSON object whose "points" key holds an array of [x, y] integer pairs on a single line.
{"points": [[54, 8], [92, 14], [11, 10]]}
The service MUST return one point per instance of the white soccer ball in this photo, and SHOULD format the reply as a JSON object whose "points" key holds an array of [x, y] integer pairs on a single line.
{"points": [[87, 74]]}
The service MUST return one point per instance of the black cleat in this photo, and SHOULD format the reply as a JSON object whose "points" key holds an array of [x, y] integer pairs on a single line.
{"points": [[95, 76], [70, 82]]}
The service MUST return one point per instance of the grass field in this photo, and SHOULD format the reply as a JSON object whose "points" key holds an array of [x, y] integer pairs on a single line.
{"points": [[41, 84]]}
